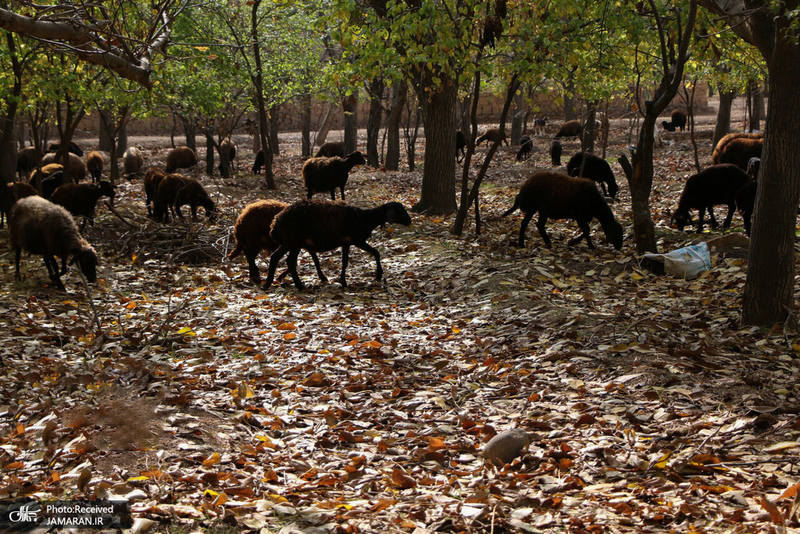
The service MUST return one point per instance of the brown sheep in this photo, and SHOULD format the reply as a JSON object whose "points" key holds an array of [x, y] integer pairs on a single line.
{"points": [[556, 196], [27, 158], [252, 235], [77, 167], [326, 174], [38, 176], [738, 148], [152, 178], [181, 157], [677, 120], [175, 191], [12, 193], [132, 162], [330, 150], [717, 184], [81, 199], [570, 129], [94, 164], [492, 135]]}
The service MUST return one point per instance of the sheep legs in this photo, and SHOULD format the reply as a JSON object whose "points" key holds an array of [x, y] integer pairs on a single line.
{"points": [[540, 225], [365, 247], [584, 226], [523, 227]]}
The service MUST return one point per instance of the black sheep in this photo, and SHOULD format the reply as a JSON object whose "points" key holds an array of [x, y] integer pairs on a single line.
{"points": [[713, 185], [525, 148], [595, 168], [492, 135], [319, 226], [176, 190], [331, 149], [753, 166], [53, 182], [555, 153], [27, 158], [81, 199], [152, 178], [71, 147], [556, 196], [678, 120], [746, 202], [461, 143], [258, 163], [326, 174]]}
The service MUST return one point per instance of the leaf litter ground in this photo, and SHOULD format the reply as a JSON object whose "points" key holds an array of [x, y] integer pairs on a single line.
{"points": [[214, 405]]}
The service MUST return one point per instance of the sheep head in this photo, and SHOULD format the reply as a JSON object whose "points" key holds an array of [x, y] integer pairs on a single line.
{"points": [[86, 258]]}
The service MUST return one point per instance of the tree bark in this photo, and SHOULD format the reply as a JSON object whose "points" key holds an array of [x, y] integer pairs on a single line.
{"points": [[723, 125], [399, 92], [305, 124], [350, 107], [274, 123], [8, 149], [374, 123], [261, 106]]}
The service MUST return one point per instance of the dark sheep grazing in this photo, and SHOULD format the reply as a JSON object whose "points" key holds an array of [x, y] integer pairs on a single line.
{"points": [[492, 135], [181, 157], [540, 126], [258, 163], [41, 227], [175, 191], [77, 167], [753, 166], [94, 164], [525, 148], [555, 153], [330, 150], [12, 193], [72, 147], [326, 174], [50, 176], [556, 196], [713, 185], [27, 159], [81, 199], [595, 168], [746, 203], [252, 235], [678, 120], [570, 129], [319, 226], [738, 148], [461, 144], [152, 178], [132, 162]]}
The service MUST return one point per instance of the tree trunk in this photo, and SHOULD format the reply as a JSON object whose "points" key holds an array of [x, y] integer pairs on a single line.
{"points": [[393, 126], [641, 185], [8, 148], [305, 124], [274, 123], [350, 108], [723, 125], [374, 122], [439, 175], [325, 127], [755, 108], [209, 153], [261, 106], [769, 289]]}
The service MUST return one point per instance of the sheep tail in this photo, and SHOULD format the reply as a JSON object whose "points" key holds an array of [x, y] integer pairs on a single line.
{"points": [[513, 208]]}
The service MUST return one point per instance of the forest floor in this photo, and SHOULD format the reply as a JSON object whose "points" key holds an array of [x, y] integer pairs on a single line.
{"points": [[213, 405]]}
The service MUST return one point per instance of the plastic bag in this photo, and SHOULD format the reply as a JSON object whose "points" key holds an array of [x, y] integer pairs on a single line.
{"points": [[686, 262]]}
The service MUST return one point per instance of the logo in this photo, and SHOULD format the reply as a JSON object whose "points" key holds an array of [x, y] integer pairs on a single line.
{"points": [[28, 512]]}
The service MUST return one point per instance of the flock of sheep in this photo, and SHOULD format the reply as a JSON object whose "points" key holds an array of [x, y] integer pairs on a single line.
{"points": [[40, 211]]}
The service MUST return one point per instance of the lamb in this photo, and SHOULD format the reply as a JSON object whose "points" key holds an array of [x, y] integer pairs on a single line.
{"points": [[716, 184], [152, 178], [81, 199], [555, 153], [525, 148], [492, 135], [570, 129], [461, 143], [753, 166], [326, 174], [132, 161], [94, 164], [677, 120], [12, 193], [27, 158], [41, 227], [540, 126], [595, 168], [181, 157], [556, 196], [77, 167], [331, 149], [738, 148], [72, 147], [319, 226], [258, 163], [176, 190], [252, 235]]}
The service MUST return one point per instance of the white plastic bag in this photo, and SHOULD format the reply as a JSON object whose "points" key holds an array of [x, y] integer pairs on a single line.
{"points": [[686, 262]]}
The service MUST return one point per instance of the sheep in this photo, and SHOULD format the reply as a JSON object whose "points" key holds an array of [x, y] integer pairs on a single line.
{"points": [[13, 192], [48, 178], [41, 227], [331, 149], [461, 143], [27, 158], [228, 147], [677, 120], [570, 129], [77, 167], [132, 161], [595, 168], [181, 157], [81, 199], [746, 202], [320, 225], [252, 235], [738, 148], [555, 153], [258, 163], [326, 174], [176, 190], [540, 125], [556, 196], [525, 148], [152, 178], [753, 166], [716, 184], [72, 147], [492, 135], [94, 164]]}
